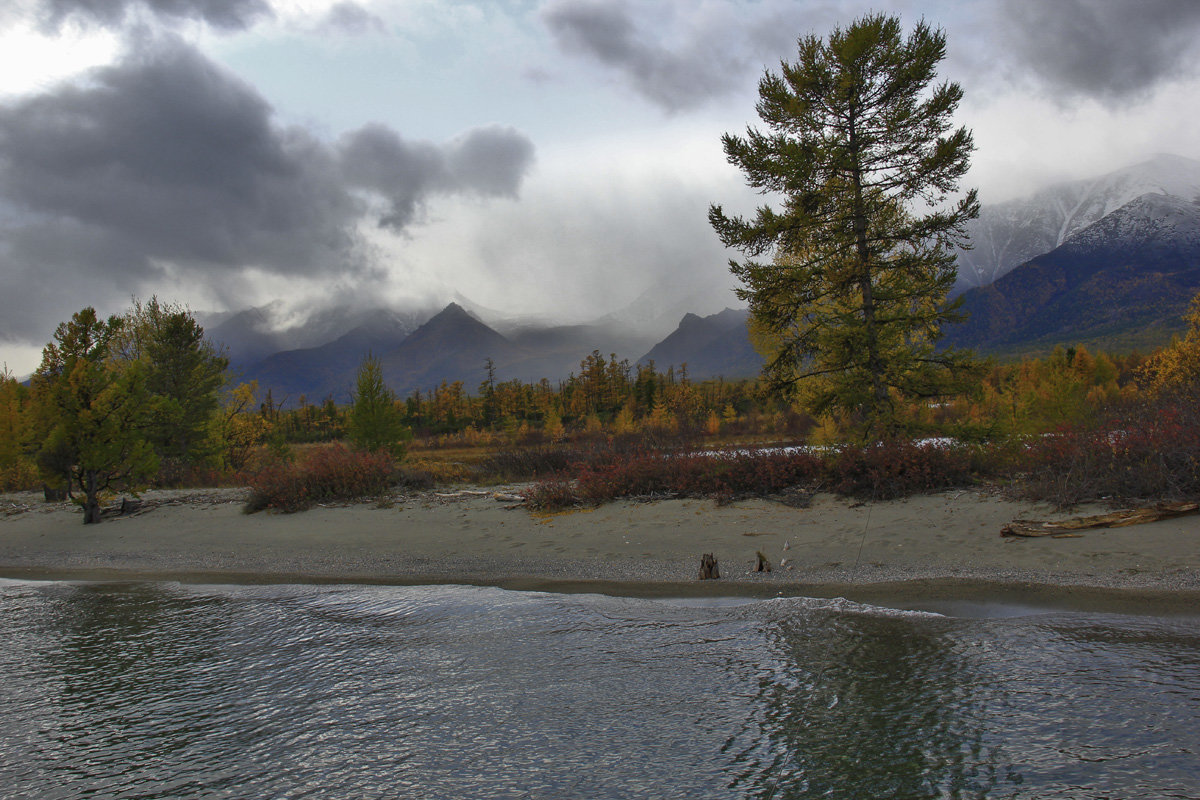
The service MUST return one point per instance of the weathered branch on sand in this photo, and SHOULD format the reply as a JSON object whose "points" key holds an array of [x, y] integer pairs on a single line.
{"points": [[1117, 519]]}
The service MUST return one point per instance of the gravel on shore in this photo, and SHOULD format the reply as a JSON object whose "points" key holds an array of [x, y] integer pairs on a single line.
{"points": [[922, 551]]}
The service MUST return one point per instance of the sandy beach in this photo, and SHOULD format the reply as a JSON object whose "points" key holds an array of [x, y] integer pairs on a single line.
{"points": [[925, 550]]}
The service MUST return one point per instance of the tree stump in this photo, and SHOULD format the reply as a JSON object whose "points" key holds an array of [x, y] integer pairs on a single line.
{"points": [[708, 567], [761, 564], [53, 495]]}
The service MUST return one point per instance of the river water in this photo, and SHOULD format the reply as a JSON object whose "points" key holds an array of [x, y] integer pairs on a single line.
{"points": [[171, 691]]}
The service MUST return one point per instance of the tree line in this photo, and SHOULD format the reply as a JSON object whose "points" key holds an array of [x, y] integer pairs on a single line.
{"points": [[145, 399]]}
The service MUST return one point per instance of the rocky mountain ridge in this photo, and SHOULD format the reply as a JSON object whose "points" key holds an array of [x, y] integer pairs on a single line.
{"points": [[1120, 281], [1009, 234], [1123, 282]]}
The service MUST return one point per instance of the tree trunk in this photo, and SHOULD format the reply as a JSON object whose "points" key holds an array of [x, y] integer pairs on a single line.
{"points": [[879, 390], [91, 502]]}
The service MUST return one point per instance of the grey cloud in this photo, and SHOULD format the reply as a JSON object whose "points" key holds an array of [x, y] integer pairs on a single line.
{"points": [[488, 161], [1103, 49], [164, 164], [351, 18], [702, 68], [222, 14], [375, 157], [168, 152]]}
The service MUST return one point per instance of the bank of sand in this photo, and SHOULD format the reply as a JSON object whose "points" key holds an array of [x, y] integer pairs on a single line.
{"points": [[916, 552]]}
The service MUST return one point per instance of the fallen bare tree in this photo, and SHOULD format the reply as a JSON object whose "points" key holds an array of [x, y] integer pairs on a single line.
{"points": [[1117, 519]]}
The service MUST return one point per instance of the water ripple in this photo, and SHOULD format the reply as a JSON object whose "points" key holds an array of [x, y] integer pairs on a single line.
{"points": [[157, 691]]}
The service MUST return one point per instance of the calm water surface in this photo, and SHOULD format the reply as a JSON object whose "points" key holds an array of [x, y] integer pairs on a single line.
{"points": [[168, 691]]}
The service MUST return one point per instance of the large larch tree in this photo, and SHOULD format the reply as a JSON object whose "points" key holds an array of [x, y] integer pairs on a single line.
{"points": [[861, 153]]}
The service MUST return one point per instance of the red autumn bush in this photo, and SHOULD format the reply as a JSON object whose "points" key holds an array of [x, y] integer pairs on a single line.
{"points": [[326, 474], [880, 471], [645, 474], [1151, 452], [898, 468]]}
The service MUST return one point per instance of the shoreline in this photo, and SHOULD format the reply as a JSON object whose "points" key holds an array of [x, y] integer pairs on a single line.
{"points": [[963, 597], [925, 552]]}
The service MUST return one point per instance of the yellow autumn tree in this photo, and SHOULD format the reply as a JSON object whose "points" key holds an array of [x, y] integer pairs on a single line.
{"points": [[16, 471], [1176, 368], [242, 426]]}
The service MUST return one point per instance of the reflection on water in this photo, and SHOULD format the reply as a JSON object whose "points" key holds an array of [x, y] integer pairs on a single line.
{"points": [[900, 695], [157, 691]]}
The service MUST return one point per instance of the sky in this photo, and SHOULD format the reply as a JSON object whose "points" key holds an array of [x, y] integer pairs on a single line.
{"points": [[553, 157]]}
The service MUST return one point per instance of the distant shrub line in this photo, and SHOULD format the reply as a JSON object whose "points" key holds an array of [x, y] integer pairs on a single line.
{"points": [[1146, 454], [1143, 453], [883, 470]]}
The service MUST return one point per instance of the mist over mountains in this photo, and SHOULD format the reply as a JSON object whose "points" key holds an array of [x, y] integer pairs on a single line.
{"points": [[1110, 262], [1006, 235], [1122, 283]]}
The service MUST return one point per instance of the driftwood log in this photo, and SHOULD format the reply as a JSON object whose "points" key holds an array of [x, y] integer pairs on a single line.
{"points": [[127, 507], [708, 567], [761, 562], [1118, 519]]}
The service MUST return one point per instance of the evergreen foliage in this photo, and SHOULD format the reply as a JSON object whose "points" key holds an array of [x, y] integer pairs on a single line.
{"points": [[376, 419], [184, 375], [14, 400], [853, 299], [93, 410]]}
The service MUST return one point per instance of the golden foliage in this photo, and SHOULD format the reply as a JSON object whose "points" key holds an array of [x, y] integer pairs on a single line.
{"points": [[1176, 368]]}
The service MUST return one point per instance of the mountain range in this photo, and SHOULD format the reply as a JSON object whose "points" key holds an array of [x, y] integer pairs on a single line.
{"points": [[1006, 235], [1121, 283], [1110, 262], [454, 345]]}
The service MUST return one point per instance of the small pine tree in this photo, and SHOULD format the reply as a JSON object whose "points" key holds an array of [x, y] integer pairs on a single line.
{"points": [[552, 426], [712, 425], [92, 411], [375, 421]]}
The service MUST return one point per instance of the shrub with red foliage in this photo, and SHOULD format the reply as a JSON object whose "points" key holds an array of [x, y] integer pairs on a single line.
{"points": [[326, 474], [719, 476], [898, 468], [884, 470], [1151, 452]]}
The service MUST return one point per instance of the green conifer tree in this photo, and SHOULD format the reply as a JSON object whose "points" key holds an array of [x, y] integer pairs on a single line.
{"points": [[376, 421], [93, 410], [854, 296], [184, 373]]}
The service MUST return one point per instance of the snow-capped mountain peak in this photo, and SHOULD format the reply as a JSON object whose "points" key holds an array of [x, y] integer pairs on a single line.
{"points": [[1008, 234]]}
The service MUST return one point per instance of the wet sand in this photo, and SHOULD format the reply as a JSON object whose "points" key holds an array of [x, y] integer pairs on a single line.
{"points": [[932, 551]]}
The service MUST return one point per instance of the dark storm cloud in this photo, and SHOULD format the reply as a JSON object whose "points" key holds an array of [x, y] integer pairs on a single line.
{"points": [[223, 14], [697, 70], [487, 161], [1104, 49], [165, 163], [168, 152], [351, 18]]}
